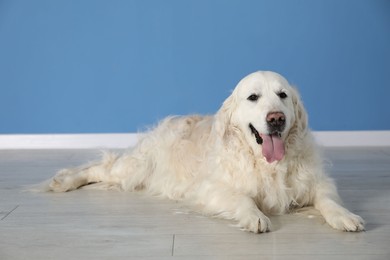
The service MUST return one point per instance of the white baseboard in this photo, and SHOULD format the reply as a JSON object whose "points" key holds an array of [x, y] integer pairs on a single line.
{"points": [[353, 138], [121, 141], [68, 141]]}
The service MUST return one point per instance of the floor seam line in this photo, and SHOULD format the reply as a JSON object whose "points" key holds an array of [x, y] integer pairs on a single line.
{"points": [[173, 244], [9, 213]]}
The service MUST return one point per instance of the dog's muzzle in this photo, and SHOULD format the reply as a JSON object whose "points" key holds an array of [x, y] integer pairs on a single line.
{"points": [[272, 144]]}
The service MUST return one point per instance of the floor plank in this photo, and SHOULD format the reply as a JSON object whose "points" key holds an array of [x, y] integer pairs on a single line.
{"points": [[101, 225]]}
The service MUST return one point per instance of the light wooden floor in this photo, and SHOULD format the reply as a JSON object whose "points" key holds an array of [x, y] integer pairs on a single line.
{"points": [[88, 224]]}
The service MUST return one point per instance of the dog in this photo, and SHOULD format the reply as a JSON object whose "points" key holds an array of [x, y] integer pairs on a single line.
{"points": [[255, 157]]}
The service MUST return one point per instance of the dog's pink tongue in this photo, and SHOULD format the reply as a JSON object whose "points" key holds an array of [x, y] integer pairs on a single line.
{"points": [[273, 148]]}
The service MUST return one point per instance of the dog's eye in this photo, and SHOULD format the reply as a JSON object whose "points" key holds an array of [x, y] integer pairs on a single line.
{"points": [[253, 97], [282, 95]]}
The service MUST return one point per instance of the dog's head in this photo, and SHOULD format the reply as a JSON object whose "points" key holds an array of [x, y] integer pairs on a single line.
{"points": [[266, 109]]}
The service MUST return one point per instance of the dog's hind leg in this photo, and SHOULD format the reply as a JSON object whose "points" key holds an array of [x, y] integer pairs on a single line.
{"points": [[129, 171], [71, 179]]}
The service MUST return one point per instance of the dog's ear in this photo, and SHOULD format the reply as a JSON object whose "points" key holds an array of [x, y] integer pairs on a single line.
{"points": [[222, 119], [301, 118]]}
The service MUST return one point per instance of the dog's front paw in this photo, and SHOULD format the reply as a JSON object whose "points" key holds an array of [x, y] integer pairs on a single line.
{"points": [[346, 221], [256, 223]]}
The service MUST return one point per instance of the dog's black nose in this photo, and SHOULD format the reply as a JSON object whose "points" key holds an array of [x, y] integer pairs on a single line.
{"points": [[276, 121]]}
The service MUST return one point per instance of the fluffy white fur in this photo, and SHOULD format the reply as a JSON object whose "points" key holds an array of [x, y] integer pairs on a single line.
{"points": [[215, 163]]}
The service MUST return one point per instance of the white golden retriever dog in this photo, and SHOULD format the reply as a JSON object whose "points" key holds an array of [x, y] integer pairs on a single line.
{"points": [[254, 157]]}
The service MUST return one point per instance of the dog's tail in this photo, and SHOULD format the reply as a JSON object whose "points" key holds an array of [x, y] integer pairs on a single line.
{"points": [[39, 187]]}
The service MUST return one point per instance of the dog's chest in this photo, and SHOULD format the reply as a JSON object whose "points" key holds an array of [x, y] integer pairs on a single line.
{"points": [[276, 193]]}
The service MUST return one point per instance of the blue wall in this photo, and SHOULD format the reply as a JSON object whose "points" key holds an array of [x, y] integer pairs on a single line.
{"points": [[78, 66]]}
